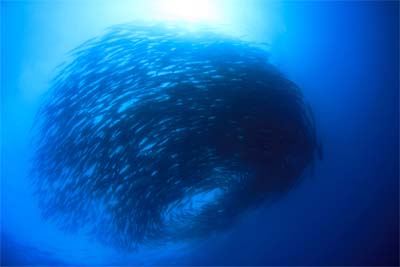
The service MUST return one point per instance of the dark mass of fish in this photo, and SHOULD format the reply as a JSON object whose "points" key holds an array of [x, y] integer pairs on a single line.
{"points": [[158, 134]]}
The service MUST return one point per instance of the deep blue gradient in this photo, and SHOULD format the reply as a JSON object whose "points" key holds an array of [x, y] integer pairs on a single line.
{"points": [[344, 56]]}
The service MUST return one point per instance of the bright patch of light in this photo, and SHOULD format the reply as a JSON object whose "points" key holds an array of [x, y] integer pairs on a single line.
{"points": [[190, 206], [203, 11]]}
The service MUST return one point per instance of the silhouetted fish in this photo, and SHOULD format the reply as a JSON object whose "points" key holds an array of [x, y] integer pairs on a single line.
{"points": [[156, 134]]}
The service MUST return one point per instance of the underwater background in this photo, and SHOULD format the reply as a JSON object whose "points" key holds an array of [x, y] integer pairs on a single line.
{"points": [[343, 55]]}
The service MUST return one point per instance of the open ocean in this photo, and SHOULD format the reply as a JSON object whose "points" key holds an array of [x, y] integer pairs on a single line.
{"points": [[160, 179]]}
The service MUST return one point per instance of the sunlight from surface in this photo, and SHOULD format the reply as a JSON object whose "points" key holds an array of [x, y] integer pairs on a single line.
{"points": [[203, 11]]}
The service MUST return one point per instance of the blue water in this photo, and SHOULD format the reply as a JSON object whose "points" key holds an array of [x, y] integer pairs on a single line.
{"points": [[344, 56]]}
